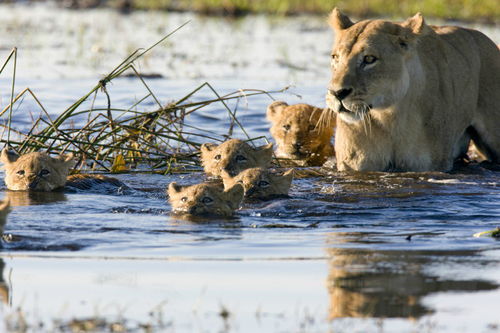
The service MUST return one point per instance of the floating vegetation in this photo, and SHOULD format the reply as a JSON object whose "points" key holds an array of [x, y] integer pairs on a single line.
{"points": [[121, 139], [490, 233]]}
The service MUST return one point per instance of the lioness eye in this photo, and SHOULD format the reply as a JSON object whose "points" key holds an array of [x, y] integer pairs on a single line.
{"points": [[217, 157], [207, 200], [44, 172], [20, 172], [369, 59], [240, 158], [184, 199], [263, 183], [286, 127]]}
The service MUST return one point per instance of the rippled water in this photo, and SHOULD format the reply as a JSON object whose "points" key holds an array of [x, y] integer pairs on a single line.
{"points": [[360, 252]]}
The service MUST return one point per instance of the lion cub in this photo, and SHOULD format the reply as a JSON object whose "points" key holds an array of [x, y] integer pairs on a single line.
{"points": [[39, 171], [234, 156], [260, 183], [299, 134], [205, 199]]}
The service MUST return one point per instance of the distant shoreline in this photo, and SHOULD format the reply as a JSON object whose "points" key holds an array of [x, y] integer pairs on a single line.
{"points": [[487, 11]]}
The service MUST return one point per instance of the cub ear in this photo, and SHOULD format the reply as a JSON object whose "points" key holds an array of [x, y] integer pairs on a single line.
{"points": [[266, 152], [8, 157], [416, 25], [234, 195], [289, 174], [274, 110], [174, 188], [66, 159], [339, 21], [206, 147]]}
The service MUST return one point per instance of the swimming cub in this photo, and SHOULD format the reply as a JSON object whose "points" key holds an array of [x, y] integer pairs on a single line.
{"points": [[233, 156], [39, 171], [205, 199], [4, 211], [299, 133], [260, 183]]}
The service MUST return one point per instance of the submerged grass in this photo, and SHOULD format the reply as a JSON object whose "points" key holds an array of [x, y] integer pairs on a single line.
{"points": [[486, 10], [121, 140]]}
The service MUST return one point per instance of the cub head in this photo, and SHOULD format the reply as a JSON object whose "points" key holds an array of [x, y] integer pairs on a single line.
{"points": [[298, 131], [205, 199], [233, 156], [372, 64], [35, 171], [260, 183]]}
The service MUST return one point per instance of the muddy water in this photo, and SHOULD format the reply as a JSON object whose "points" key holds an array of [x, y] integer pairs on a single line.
{"points": [[371, 252]]}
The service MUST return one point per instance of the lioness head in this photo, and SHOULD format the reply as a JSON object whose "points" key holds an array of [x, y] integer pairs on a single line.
{"points": [[369, 69], [260, 183], [35, 171], [205, 199], [234, 156], [298, 132]]}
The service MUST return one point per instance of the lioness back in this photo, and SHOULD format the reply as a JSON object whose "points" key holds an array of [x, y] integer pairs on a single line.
{"points": [[299, 134], [410, 96], [205, 199], [233, 156]]}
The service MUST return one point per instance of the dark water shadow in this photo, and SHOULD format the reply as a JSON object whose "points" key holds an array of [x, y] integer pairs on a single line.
{"points": [[29, 198], [366, 283]]}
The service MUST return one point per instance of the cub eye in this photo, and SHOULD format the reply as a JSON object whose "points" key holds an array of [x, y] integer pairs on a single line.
{"points": [[20, 172], [286, 127], [263, 183], [334, 56], [44, 172], [217, 157], [184, 199], [240, 158], [207, 200], [312, 127], [369, 59]]}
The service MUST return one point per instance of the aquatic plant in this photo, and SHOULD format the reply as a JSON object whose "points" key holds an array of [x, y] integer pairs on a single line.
{"points": [[122, 139]]}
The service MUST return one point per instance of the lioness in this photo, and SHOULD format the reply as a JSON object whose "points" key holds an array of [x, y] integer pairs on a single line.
{"points": [[39, 171], [299, 135], [205, 199], [234, 156], [410, 96], [260, 183]]}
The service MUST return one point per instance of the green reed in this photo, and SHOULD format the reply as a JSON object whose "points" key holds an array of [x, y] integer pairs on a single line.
{"points": [[123, 139]]}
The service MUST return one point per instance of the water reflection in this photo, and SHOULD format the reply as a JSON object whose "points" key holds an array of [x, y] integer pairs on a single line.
{"points": [[28, 198], [4, 287], [390, 284]]}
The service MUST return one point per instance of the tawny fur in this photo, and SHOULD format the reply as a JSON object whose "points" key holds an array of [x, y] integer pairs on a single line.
{"points": [[234, 156], [260, 183], [205, 199], [409, 96], [300, 134], [4, 211]]}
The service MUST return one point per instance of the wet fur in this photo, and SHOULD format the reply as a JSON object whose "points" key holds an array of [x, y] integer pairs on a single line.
{"points": [[206, 199], [431, 90], [260, 183], [234, 156]]}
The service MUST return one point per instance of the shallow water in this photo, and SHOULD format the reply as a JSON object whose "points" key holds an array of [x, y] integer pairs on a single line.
{"points": [[372, 252]]}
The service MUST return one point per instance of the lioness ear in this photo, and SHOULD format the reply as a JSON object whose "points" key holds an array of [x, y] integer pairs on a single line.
{"points": [[266, 152], [339, 21], [416, 24], [174, 188], [8, 157], [234, 195], [274, 110]]}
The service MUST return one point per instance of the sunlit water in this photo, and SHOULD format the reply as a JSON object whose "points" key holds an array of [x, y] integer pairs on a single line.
{"points": [[346, 252]]}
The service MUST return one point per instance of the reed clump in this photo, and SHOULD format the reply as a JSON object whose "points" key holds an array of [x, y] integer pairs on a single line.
{"points": [[113, 139]]}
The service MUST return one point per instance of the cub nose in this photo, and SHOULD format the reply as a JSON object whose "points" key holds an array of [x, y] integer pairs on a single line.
{"points": [[297, 145], [340, 93]]}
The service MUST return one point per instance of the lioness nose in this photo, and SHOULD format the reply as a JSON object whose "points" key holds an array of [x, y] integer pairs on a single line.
{"points": [[341, 93]]}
